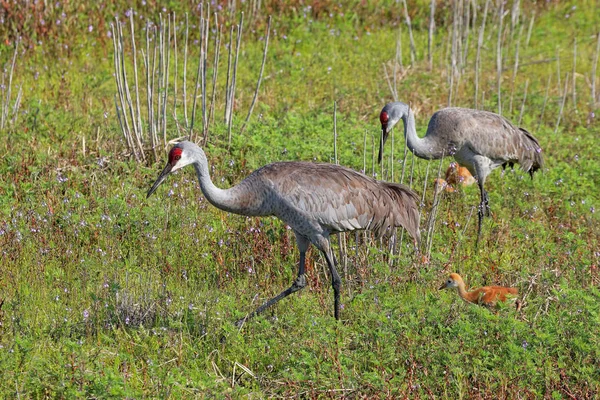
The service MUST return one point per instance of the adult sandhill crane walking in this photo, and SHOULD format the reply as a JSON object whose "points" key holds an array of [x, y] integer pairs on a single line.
{"points": [[479, 140], [315, 200]]}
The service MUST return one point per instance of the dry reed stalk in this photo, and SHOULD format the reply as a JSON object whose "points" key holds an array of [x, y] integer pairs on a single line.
{"points": [[562, 104], [176, 70], [545, 102], [121, 90], [389, 82], [198, 78], [425, 185], [430, 34], [575, 74], [166, 64], [185, 57], [466, 34], [260, 75], [234, 78], [227, 83], [515, 68], [531, 21], [558, 68], [364, 170], [523, 103], [499, 56], [413, 50], [594, 67], [335, 152], [6, 91], [397, 61], [433, 213], [478, 55], [219, 33], [136, 83]]}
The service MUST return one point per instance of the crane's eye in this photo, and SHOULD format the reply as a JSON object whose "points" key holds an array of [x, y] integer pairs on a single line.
{"points": [[177, 157], [449, 280]]}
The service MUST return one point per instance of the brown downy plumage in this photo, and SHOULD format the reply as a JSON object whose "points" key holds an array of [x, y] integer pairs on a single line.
{"points": [[487, 296]]}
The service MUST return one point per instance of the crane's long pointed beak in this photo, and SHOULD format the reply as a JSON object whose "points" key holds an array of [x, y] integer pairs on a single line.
{"points": [[384, 136], [443, 286], [163, 175]]}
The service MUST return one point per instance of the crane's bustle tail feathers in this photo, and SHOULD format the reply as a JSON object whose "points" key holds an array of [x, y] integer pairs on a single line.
{"points": [[405, 208], [531, 159]]}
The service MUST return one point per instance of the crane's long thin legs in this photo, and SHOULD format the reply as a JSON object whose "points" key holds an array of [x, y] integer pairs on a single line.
{"points": [[298, 284], [336, 281], [484, 210]]}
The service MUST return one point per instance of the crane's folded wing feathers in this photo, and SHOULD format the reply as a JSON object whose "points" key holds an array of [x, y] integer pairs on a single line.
{"points": [[343, 199]]}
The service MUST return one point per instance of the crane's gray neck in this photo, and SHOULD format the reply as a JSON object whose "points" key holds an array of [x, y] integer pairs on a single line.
{"points": [[225, 199], [421, 147]]}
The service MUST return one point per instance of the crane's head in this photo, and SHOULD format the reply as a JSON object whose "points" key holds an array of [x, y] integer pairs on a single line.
{"points": [[179, 157], [453, 281], [389, 116]]}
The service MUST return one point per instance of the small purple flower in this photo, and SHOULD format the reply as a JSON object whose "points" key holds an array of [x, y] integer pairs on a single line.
{"points": [[86, 314], [90, 28]]}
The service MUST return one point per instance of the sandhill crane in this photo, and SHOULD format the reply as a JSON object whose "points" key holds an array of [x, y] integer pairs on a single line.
{"points": [[486, 296], [479, 140], [315, 200]]}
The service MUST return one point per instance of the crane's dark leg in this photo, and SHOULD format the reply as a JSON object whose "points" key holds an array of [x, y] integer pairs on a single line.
{"points": [[336, 281], [298, 284], [483, 209]]}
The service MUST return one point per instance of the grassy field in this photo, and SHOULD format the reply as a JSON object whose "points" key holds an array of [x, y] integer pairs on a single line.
{"points": [[105, 294]]}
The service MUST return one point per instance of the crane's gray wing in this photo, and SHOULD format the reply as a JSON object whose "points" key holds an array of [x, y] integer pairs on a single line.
{"points": [[490, 135], [341, 199]]}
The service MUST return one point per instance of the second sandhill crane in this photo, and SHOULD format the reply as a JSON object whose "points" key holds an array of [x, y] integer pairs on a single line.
{"points": [[487, 296], [315, 200], [480, 140]]}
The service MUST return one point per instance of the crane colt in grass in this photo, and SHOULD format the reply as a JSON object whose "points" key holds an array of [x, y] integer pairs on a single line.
{"points": [[315, 200], [487, 296], [479, 140]]}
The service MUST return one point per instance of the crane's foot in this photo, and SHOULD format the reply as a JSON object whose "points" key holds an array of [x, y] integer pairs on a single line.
{"points": [[299, 283]]}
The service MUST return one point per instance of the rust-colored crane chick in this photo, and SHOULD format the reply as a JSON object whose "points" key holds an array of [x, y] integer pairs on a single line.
{"points": [[487, 296]]}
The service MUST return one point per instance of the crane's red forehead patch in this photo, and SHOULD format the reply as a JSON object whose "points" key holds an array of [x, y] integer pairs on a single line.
{"points": [[384, 117], [174, 155]]}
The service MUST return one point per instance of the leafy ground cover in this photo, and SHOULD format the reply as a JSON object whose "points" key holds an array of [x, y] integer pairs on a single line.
{"points": [[106, 294]]}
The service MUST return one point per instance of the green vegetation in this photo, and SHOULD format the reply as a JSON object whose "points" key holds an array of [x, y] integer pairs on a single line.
{"points": [[108, 295]]}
